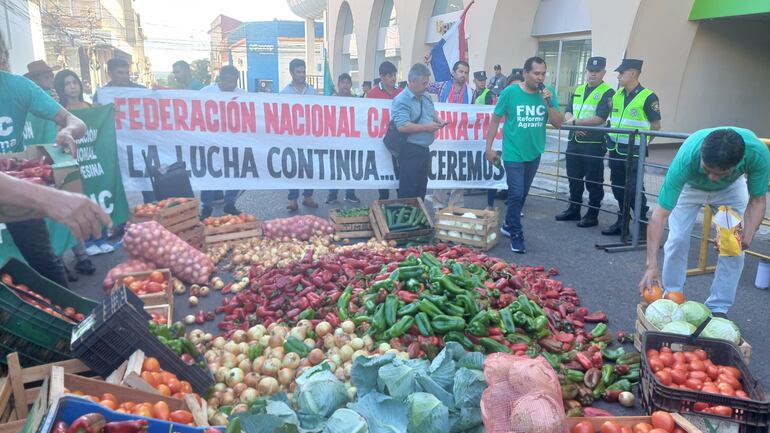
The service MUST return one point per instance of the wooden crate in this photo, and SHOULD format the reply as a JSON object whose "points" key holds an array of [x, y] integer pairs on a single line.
{"points": [[232, 232], [351, 227], [643, 325], [630, 422], [380, 225], [129, 374], [151, 299], [336, 218], [20, 389], [450, 219], [164, 310], [194, 236], [61, 381], [175, 218]]}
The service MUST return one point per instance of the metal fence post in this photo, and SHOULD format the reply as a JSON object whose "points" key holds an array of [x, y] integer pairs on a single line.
{"points": [[639, 186], [627, 186]]}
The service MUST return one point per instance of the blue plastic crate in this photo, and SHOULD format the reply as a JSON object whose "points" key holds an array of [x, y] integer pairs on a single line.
{"points": [[69, 408]]}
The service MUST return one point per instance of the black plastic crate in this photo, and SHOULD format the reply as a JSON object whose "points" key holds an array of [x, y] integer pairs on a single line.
{"points": [[118, 327], [29, 330], [752, 414]]}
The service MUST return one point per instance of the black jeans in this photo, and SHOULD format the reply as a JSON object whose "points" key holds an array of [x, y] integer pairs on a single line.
{"points": [[413, 170], [31, 238], [618, 173], [584, 161], [294, 193]]}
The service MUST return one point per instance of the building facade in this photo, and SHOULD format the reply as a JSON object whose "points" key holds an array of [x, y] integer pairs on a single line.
{"points": [[700, 56], [22, 31], [221, 27], [262, 51]]}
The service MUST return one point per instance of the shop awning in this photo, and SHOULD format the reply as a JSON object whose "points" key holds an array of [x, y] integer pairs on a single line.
{"points": [[710, 9]]}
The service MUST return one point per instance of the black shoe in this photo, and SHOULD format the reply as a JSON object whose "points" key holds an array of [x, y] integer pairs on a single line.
{"points": [[332, 200], [571, 214], [71, 276], [206, 212], [352, 199], [614, 229], [231, 209], [85, 267], [590, 219]]}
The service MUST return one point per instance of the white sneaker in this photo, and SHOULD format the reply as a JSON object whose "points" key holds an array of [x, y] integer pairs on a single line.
{"points": [[106, 248], [94, 250]]}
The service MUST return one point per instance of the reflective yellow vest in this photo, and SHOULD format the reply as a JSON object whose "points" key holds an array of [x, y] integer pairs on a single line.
{"points": [[631, 116], [481, 99], [584, 106]]}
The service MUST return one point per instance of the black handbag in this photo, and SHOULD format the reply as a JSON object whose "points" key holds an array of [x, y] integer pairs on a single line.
{"points": [[394, 139], [168, 182]]}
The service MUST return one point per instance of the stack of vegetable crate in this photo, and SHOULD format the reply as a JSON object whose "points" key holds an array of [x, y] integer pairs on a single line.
{"points": [[710, 411], [399, 220], [472, 227], [629, 422], [232, 232], [21, 388], [154, 302], [351, 223], [181, 220], [643, 326]]}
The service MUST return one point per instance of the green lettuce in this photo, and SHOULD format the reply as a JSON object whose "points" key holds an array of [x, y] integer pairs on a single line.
{"points": [[427, 414]]}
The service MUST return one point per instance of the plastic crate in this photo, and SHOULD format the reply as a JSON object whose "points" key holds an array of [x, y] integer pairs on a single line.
{"points": [[752, 415], [116, 329], [29, 330], [69, 408]]}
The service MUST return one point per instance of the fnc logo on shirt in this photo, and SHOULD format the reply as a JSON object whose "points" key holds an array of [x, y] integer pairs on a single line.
{"points": [[530, 110], [6, 126]]}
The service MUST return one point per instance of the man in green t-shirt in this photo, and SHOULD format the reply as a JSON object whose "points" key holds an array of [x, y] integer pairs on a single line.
{"points": [[527, 107], [184, 77], [709, 170], [85, 218]]}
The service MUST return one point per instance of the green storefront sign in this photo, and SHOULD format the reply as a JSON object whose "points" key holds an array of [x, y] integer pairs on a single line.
{"points": [[710, 9]]}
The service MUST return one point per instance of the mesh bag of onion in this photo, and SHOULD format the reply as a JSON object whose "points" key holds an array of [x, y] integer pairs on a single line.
{"points": [[151, 242], [523, 396], [301, 227]]}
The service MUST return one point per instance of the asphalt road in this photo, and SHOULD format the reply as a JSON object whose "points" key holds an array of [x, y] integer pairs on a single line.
{"points": [[604, 281]]}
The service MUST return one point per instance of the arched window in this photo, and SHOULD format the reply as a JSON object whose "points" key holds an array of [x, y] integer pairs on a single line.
{"points": [[388, 41], [447, 6]]}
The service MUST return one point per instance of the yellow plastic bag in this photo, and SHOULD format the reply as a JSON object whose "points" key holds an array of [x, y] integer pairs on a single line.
{"points": [[728, 232]]}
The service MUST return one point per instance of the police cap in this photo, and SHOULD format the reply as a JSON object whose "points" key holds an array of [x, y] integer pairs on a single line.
{"points": [[630, 64], [596, 64], [480, 75]]}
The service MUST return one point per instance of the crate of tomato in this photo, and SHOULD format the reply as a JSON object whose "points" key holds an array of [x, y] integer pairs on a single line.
{"points": [[702, 377], [154, 288], [44, 165], [179, 215], [395, 220], [37, 316], [228, 228]]}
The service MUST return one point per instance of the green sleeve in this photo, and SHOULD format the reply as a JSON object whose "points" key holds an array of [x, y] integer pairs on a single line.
{"points": [[677, 176], [758, 171], [40, 103]]}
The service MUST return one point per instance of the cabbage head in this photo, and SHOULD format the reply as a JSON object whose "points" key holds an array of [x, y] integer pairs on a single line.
{"points": [[662, 312], [722, 329], [695, 313], [679, 327]]}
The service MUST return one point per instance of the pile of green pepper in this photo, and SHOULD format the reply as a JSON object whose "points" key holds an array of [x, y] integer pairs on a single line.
{"points": [[403, 218], [353, 212], [174, 338]]}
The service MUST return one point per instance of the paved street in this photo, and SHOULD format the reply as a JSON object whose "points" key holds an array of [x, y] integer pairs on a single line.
{"points": [[603, 281]]}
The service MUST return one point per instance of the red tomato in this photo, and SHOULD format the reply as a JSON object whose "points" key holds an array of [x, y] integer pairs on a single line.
{"points": [[625, 430], [662, 420], [689, 356], [693, 384], [659, 430], [700, 406], [666, 349], [700, 375], [642, 427], [722, 410], [697, 365], [153, 287], [157, 277], [667, 359], [683, 366], [732, 371], [652, 353], [583, 427], [701, 354], [733, 382], [678, 376], [664, 377], [726, 389], [679, 357], [655, 364], [609, 427], [710, 388], [741, 394], [712, 371], [679, 430]]}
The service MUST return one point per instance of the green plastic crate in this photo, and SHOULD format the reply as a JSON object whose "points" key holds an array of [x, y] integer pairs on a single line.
{"points": [[39, 337]]}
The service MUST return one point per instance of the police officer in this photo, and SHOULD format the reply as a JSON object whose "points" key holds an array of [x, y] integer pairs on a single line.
{"points": [[589, 106], [497, 84], [482, 95], [633, 107]]}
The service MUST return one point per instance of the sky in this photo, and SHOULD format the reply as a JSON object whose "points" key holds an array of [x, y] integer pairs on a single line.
{"points": [[178, 29]]}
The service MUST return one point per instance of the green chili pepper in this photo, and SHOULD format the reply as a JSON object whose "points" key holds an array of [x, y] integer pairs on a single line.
{"points": [[361, 319], [468, 304], [294, 344], [436, 299], [608, 374], [632, 376], [429, 308], [447, 284], [479, 325], [410, 261], [452, 309], [386, 284], [576, 376], [598, 391], [506, 316], [443, 324], [526, 306], [629, 358], [430, 260], [255, 351], [307, 314], [409, 309], [493, 345], [598, 330], [552, 359], [622, 384], [370, 306], [410, 272], [533, 351], [413, 285], [391, 309], [379, 324], [519, 338], [539, 323], [400, 328], [613, 355], [343, 302], [423, 324], [459, 337]]}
